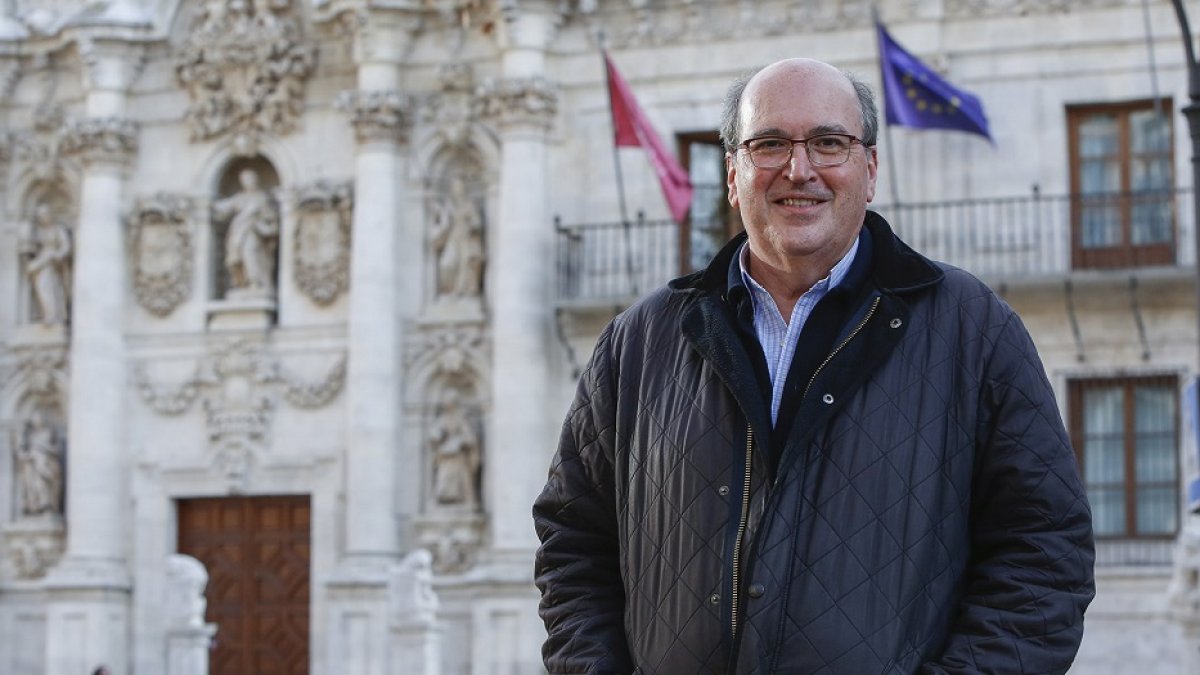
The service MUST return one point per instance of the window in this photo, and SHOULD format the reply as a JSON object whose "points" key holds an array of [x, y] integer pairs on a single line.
{"points": [[711, 221], [1125, 434], [1122, 203]]}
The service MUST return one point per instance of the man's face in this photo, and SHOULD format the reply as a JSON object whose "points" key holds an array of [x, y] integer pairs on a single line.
{"points": [[800, 214]]}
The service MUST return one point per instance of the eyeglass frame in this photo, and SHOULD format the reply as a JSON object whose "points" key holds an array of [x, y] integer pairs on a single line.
{"points": [[745, 145]]}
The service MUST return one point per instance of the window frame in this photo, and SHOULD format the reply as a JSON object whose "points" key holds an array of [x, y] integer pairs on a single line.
{"points": [[1130, 484], [733, 224], [1125, 254]]}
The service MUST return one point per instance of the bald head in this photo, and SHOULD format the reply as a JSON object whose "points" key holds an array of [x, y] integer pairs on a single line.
{"points": [[797, 72]]}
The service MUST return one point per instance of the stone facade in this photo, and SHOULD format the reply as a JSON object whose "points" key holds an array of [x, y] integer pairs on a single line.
{"points": [[307, 247]]}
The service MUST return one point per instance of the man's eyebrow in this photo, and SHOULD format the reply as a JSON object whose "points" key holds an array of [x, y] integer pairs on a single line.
{"points": [[814, 131]]}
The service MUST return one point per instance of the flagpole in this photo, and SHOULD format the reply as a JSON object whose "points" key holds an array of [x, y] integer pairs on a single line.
{"points": [[887, 128], [625, 225]]}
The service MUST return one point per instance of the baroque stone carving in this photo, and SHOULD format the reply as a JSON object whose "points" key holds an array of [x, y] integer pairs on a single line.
{"points": [[39, 455], [238, 407], [377, 116], [452, 110], [47, 250], [101, 140], [245, 64], [322, 241], [319, 393], [39, 152], [519, 102], [252, 236], [34, 545], [455, 445], [161, 252], [457, 238], [239, 385], [186, 579], [411, 598]]}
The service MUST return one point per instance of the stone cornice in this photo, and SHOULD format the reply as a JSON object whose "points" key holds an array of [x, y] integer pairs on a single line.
{"points": [[378, 116], [106, 141]]}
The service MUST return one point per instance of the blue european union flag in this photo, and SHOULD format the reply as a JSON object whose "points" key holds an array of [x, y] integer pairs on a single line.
{"points": [[915, 96]]}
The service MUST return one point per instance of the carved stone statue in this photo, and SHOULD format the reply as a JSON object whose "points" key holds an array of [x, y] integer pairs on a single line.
{"points": [[455, 445], [186, 579], [458, 244], [39, 454], [252, 236], [48, 266]]}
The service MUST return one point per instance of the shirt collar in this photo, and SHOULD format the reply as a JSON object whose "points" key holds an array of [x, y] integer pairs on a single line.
{"points": [[740, 280]]}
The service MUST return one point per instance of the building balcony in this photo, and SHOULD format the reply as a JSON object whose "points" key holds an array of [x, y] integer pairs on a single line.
{"points": [[1010, 243]]}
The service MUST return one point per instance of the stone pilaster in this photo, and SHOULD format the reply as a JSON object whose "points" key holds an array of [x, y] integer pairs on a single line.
{"points": [[380, 267], [88, 614], [522, 105]]}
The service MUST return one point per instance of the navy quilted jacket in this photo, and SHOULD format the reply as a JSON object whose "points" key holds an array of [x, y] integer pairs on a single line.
{"points": [[926, 515]]}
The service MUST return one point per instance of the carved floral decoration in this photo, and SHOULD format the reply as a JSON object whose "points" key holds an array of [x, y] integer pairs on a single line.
{"points": [[322, 241], [161, 252], [240, 385], [245, 64]]}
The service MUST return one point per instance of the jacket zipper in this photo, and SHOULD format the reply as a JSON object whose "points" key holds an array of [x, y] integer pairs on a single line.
{"points": [[843, 343], [741, 533]]}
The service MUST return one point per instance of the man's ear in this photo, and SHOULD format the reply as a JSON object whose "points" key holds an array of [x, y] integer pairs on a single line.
{"points": [[731, 179]]}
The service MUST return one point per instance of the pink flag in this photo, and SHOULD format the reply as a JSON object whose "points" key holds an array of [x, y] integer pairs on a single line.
{"points": [[632, 128]]}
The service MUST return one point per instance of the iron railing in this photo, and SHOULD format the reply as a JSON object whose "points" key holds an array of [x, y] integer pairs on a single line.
{"points": [[1009, 240]]}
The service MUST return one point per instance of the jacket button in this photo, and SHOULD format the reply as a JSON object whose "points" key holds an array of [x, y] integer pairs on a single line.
{"points": [[896, 323], [723, 490], [714, 599], [757, 590], [827, 398]]}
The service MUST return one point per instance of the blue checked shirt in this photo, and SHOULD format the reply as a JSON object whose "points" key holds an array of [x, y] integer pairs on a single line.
{"points": [[778, 337]]}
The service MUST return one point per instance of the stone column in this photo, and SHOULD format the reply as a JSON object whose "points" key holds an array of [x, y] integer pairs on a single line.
{"points": [[523, 106], [88, 611], [379, 264]]}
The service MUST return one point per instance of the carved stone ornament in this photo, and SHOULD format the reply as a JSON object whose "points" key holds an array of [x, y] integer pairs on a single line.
{"points": [[377, 116], [322, 241], [411, 598], [34, 546], [161, 252], [245, 65], [101, 140], [240, 385], [39, 152], [39, 448], [447, 349], [519, 102], [452, 111]]}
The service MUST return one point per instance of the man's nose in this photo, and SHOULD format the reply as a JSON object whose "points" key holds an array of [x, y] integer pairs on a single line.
{"points": [[799, 168]]}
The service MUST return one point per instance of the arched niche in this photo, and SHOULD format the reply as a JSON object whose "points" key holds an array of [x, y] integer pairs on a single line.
{"points": [[45, 254]]}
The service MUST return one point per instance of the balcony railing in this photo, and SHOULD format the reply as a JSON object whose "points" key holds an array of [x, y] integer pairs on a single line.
{"points": [[1004, 241]]}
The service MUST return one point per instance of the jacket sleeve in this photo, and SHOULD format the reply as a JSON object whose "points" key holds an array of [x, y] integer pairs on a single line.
{"points": [[577, 568], [1030, 573]]}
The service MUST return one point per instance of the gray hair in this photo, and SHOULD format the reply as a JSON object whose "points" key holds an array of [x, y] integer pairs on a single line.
{"points": [[731, 110]]}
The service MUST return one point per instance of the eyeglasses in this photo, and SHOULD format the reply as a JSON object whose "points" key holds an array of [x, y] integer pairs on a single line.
{"points": [[772, 152]]}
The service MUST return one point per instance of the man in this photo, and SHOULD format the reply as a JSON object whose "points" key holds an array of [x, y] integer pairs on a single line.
{"points": [[822, 454]]}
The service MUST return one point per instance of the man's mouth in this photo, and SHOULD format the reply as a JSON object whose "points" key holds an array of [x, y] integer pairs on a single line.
{"points": [[796, 201]]}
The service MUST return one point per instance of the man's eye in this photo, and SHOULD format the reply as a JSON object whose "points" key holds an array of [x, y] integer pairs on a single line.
{"points": [[769, 145], [828, 143]]}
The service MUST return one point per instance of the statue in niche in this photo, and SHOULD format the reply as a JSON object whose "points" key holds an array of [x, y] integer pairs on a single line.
{"points": [[39, 454], [458, 244], [253, 234], [48, 265], [456, 454]]}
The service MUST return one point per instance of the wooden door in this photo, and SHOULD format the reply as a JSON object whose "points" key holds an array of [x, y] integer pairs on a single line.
{"points": [[256, 551]]}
